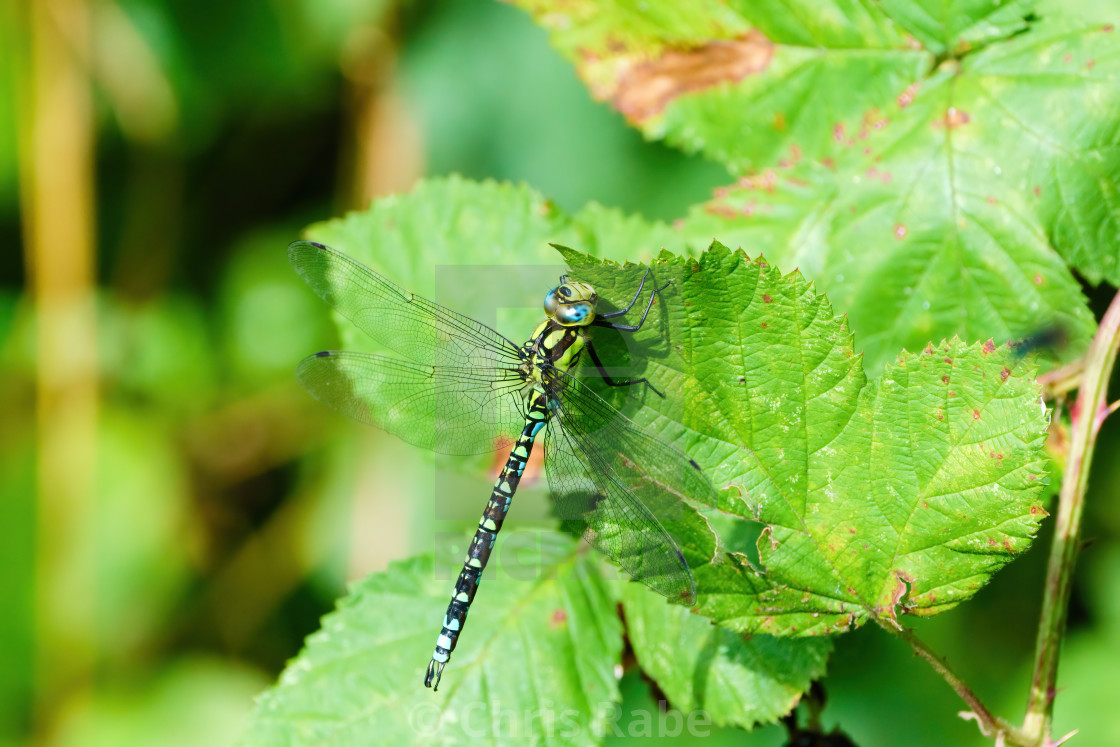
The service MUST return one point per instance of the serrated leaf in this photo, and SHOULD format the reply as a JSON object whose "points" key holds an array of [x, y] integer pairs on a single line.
{"points": [[736, 63], [872, 505], [899, 495], [500, 234], [536, 663], [454, 240], [454, 221], [738, 680], [427, 240], [927, 199]]}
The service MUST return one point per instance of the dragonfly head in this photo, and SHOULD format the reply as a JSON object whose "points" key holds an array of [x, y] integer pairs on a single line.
{"points": [[571, 304]]}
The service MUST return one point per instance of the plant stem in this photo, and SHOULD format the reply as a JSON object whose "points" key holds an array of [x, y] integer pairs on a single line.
{"points": [[989, 724], [1061, 380], [57, 131], [1086, 416]]}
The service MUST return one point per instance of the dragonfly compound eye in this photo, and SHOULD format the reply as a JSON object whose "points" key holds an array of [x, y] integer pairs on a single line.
{"points": [[551, 302], [574, 313]]}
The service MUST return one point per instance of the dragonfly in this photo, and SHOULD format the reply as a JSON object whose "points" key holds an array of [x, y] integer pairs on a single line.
{"points": [[463, 388]]}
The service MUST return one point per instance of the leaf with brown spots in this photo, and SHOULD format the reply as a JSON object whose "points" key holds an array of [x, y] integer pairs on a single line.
{"points": [[900, 494], [935, 166], [646, 88]]}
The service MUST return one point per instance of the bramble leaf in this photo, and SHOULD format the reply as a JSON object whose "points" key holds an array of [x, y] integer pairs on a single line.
{"points": [[738, 680], [931, 166], [539, 657], [505, 222], [876, 498]]}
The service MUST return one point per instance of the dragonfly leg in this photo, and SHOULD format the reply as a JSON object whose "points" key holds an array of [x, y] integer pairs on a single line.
{"points": [[630, 327], [633, 300], [612, 382]]}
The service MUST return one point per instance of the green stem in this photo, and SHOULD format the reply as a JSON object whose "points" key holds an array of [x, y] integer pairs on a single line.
{"points": [[989, 725], [1086, 416], [58, 125]]}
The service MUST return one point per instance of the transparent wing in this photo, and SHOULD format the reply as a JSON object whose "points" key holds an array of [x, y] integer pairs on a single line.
{"points": [[624, 484], [448, 410], [399, 319]]}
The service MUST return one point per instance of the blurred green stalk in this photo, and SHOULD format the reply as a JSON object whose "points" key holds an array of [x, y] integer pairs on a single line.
{"points": [[57, 204]]}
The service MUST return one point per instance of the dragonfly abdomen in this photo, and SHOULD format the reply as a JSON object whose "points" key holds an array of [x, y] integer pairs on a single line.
{"points": [[483, 543]]}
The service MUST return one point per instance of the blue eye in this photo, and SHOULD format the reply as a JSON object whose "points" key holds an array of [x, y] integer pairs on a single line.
{"points": [[550, 302], [573, 314]]}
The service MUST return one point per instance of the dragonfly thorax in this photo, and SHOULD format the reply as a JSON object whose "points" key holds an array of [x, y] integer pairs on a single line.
{"points": [[553, 346], [571, 304]]}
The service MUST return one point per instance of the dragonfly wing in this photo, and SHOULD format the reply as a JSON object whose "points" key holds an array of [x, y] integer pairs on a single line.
{"points": [[624, 484], [448, 410], [397, 318]]}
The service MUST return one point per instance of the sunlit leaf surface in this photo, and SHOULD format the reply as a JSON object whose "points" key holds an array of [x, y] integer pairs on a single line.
{"points": [[876, 498], [538, 659], [932, 167], [736, 679]]}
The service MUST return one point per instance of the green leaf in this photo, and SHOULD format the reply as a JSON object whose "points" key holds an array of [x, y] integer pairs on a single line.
{"points": [[932, 167], [959, 25], [457, 222], [899, 495], [867, 499], [445, 221], [535, 662], [715, 76], [738, 680], [428, 240], [764, 388]]}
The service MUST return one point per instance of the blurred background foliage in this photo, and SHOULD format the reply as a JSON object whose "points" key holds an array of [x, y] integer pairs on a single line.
{"points": [[176, 514]]}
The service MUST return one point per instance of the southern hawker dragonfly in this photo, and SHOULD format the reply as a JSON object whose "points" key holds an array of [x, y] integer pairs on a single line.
{"points": [[464, 387]]}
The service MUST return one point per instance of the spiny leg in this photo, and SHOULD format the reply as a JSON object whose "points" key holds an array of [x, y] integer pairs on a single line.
{"points": [[630, 327], [633, 300], [625, 328], [483, 543], [611, 382]]}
